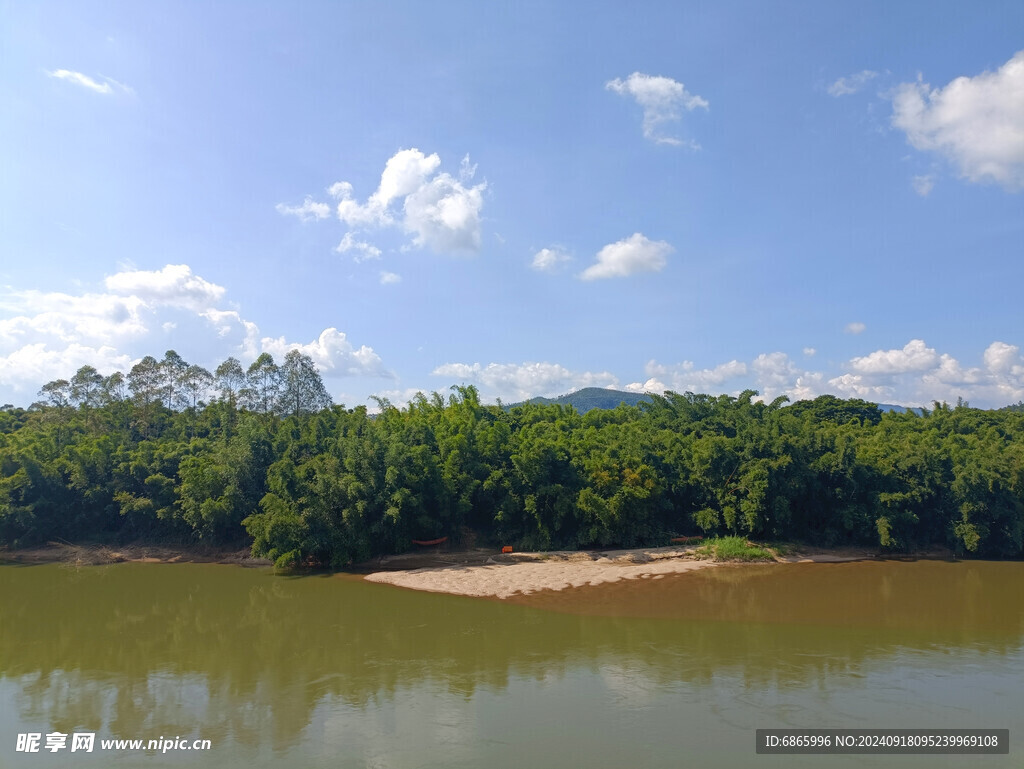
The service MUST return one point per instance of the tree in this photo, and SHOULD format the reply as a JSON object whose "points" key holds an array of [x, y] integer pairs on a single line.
{"points": [[229, 379], [302, 389], [114, 388], [194, 382], [263, 379], [172, 372], [57, 393], [87, 387], [145, 381]]}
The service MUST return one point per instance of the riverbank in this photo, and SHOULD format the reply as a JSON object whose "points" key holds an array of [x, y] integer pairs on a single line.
{"points": [[507, 575], [98, 555]]}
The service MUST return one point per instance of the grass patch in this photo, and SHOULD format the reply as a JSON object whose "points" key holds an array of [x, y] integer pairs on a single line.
{"points": [[733, 549], [782, 549]]}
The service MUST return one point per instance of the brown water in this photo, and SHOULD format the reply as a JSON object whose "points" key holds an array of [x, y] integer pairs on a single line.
{"points": [[331, 671]]}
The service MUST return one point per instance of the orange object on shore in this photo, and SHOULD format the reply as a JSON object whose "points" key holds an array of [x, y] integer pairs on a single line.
{"points": [[430, 541], [687, 539], [507, 549]]}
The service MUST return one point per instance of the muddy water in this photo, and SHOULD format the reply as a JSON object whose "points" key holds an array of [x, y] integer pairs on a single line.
{"points": [[332, 671]]}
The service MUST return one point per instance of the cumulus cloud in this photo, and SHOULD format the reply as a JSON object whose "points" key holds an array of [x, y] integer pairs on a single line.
{"points": [[308, 211], [440, 212], [362, 249], [977, 123], [845, 86], [809, 352], [27, 368], [107, 87], [628, 257], [174, 285], [915, 356], [776, 374], [64, 317], [918, 374], [333, 354], [389, 278], [686, 377], [48, 335], [518, 381], [549, 259], [662, 100], [915, 374], [855, 328], [444, 216]]}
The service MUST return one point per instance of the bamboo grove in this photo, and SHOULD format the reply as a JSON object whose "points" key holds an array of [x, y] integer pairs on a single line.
{"points": [[175, 454]]}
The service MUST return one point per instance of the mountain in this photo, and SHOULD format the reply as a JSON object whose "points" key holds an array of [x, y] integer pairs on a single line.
{"points": [[900, 409], [590, 398]]}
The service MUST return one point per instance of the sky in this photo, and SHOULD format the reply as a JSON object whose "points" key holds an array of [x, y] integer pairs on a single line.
{"points": [[798, 198]]}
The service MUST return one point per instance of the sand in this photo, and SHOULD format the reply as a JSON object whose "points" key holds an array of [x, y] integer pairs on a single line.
{"points": [[525, 573], [504, 576]]}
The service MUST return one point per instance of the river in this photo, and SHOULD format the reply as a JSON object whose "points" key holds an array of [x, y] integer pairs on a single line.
{"points": [[331, 671]]}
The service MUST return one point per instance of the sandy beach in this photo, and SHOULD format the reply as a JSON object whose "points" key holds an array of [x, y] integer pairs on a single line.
{"points": [[504, 576]]}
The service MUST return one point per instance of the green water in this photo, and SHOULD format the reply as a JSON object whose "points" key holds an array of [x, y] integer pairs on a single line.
{"points": [[329, 671]]}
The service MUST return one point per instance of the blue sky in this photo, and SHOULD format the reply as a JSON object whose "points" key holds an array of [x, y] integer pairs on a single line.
{"points": [[799, 198]]}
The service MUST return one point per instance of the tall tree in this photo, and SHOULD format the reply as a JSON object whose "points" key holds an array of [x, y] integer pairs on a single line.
{"points": [[195, 381], [87, 387], [145, 381], [229, 379], [302, 389], [263, 384], [172, 371]]}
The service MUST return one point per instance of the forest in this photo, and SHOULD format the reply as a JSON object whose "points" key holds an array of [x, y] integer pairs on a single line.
{"points": [[261, 457]]}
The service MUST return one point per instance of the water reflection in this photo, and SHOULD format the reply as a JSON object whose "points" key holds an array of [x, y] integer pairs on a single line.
{"points": [[244, 656]]}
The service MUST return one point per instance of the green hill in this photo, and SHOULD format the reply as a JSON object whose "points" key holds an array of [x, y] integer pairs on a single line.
{"points": [[590, 398]]}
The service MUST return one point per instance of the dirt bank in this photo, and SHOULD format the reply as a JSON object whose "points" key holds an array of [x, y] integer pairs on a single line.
{"points": [[95, 555]]}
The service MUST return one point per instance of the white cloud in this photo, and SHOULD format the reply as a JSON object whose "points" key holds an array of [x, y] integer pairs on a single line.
{"points": [[28, 368], [1001, 359], [918, 374], [662, 100], [96, 318], [48, 335], [444, 216], [975, 122], [809, 352], [309, 211], [777, 375], [686, 377], [440, 212], [405, 172], [333, 354], [389, 278], [845, 86], [519, 381], [628, 257], [915, 356], [106, 87], [363, 249], [174, 285], [857, 386], [550, 259], [923, 184], [855, 328]]}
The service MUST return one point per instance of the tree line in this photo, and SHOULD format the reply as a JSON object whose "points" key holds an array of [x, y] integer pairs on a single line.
{"points": [[261, 456]]}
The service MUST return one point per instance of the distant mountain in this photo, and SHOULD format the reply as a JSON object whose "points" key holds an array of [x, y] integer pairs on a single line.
{"points": [[590, 398], [900, 409], [600, 398]]}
